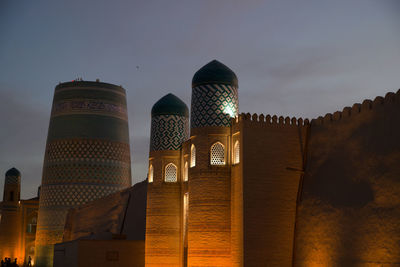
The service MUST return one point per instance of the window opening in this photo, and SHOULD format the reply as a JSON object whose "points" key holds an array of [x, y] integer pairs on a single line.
{"points": [[151, 173], [192, 156], [170, 173], [236, 153], [217, 154], [186, 172]]}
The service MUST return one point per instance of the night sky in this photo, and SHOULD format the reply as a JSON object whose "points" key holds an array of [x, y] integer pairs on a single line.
{"points": [[292, 58]]}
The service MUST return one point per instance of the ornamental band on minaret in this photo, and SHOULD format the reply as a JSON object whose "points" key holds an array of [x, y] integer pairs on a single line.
{"points": [[87, 155]]}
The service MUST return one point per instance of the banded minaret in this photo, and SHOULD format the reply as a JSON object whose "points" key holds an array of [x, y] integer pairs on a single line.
{"points": [[87, 155], [10, 216], [169, 129], [214, 103]]}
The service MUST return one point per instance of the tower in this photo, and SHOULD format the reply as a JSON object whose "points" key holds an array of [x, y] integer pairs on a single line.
{"points": [[169, 129], [214, 102], [10, 216], [87, 155]]}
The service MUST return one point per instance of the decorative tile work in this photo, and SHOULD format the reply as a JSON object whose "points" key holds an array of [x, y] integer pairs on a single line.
{"points": [[87, 157], [88, 149], [72, 195], [89, 106], [213, 105], [87, 161], [168, 132]]}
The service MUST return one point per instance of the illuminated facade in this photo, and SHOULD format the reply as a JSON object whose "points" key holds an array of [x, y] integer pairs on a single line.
{"points": [[87, 155], [18, 220], [256, 190]]}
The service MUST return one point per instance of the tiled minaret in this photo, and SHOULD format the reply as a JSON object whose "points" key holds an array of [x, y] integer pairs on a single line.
{"points": [[169, 129], [214, 103], [10, 216], [87, 155]]}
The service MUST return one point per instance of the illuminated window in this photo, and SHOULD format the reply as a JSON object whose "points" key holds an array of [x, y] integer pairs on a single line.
{"points": [[217, 154], [186, 172], [236, 153], [192, 156], [151, 173], [31, 227], [171, 173]]}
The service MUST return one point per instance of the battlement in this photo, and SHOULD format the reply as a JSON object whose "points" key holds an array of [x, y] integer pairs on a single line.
{"points": [[347, 112], [262, 119]]}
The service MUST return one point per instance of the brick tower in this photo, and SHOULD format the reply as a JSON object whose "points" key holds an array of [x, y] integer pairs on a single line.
{"points": [[10, 216], [169, 129], [87, 155], [214, 102]]}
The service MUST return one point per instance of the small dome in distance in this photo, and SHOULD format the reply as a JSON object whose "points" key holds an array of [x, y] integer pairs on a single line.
{"points": [[214, 72], [170, 105], [13, 172]]}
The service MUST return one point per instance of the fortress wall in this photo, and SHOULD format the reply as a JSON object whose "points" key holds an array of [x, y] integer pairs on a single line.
{"points": [[272, 166], [349, 214]]}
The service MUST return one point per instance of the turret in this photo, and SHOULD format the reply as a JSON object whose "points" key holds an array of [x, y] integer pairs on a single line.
{"points": [[10, 216], [12, 187], [214, 103], [169, 129]]}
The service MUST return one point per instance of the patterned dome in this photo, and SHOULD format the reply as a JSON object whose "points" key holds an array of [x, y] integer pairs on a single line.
{"points": [[214, 73], [13, 172], [170, 105], [169, 124]]}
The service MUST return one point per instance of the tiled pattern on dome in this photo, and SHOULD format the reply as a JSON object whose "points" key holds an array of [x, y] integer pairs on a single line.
{"points": [[12, 180], [213, 105], [168, 132], [89, 106]]}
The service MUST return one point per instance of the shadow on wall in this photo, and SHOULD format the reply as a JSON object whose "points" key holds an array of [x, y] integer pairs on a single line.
{"points": [[349, 213]]}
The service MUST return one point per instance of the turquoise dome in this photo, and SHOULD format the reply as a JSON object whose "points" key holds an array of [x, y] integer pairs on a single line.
{"points": [[170, 105], [215, 72], [13, 172]]}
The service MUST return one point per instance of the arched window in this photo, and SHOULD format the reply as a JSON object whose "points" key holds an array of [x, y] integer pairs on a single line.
{"points": [[192, 156], [236, 153], [217, 154], [151, 172], [171, 174], [186, 172]]}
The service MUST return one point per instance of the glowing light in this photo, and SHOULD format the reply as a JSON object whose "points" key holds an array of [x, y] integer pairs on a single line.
{"points": [[229, 110]]}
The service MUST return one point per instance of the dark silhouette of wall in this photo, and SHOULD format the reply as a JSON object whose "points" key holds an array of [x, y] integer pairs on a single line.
{"points": [[349, 209]]}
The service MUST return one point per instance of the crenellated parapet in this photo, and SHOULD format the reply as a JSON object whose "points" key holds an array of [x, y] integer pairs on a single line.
{"points": [[268, 120], [357, 108]]}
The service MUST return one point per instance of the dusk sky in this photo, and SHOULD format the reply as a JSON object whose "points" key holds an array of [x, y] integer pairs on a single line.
{"points": [[292, 58]]}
